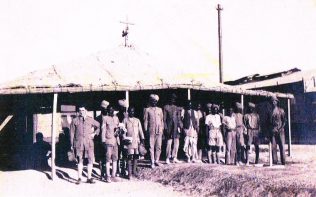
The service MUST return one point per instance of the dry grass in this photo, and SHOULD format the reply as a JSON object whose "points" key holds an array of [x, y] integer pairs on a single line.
{"points": [[298, 178]]}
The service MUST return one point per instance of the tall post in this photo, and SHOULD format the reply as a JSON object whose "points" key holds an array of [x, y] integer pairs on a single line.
{"points": [[127, 99], [220, 56], [53, 135], [189, 94], [242, 104], [289, 122]]}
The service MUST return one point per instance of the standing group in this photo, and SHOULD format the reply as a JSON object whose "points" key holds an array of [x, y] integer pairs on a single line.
{"points": [[118, 137]]}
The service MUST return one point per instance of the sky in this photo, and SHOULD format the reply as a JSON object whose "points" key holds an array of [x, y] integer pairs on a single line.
{"points": [[258, 36]]}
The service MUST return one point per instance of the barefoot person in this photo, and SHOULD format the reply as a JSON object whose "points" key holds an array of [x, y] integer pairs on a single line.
{"points": [[213, 123], [154, 125], [134, 136], [171, 128], [82, 130], [110, 142], [252, 124]]}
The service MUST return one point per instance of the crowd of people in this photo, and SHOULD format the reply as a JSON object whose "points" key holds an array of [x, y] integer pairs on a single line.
{"points": [[118, 139]]}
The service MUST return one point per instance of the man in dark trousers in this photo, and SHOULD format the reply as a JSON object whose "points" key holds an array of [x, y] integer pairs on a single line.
{"points": [[172, 129], [99, 150], [240, 130], [154, 125], [276, 128], [252, 124], [82, 130]]}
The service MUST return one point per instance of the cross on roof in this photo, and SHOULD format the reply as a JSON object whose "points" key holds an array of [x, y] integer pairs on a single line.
{"points": [[126, 31]]}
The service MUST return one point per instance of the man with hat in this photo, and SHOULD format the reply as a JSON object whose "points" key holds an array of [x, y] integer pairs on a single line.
{"points": [[213, 124], [133, 137], [110, 132], [240, 130], [172, 129], [252, 124], [229, 123], [82, 130], [99, 150], [276, 127], [154, 125], [122, 152]]}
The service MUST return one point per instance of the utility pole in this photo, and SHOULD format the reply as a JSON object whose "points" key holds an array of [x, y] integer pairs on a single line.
{"points": [[220, 56]]}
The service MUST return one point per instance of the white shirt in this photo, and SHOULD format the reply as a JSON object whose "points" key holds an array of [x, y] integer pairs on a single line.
{"points": [[214, 121]]}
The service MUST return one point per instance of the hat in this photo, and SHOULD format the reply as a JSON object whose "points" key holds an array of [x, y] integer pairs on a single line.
{"points": [[274, 98], [154, 97], [209, 105], [215, 106], [251, 105], [105, 104], [122, 103], [238, 105]]}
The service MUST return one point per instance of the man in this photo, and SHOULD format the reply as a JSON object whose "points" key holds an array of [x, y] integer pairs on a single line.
{"points": [[122, 154], [190, 126], [276, 125], [83, 129], [240, 129], [135, 136], [213, 124], [201, 141], [154, 125], [172, 129], [99, 150], [252, 123], [110, 132], [229, 122]]}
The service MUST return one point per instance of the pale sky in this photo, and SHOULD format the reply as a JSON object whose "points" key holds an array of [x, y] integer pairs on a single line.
{"points": [[258, 36]]}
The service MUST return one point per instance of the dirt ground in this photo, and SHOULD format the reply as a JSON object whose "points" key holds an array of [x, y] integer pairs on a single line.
{"points": [[297, 178]]}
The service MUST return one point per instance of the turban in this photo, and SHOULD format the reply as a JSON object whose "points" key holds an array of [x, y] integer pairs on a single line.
{"points": [[154, 97], [122, 103], [251, 105], [104, 104], [215, 106], [209, 105], [238, 105]]}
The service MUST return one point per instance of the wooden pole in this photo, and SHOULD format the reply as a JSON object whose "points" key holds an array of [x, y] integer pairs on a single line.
{"points": [[189, 94], [289, 124], [242, 103], [127, 99], [220, 56], [53, 135]]}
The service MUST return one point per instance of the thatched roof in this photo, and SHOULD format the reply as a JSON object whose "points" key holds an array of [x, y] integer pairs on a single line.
{"points": [[123, 68]]}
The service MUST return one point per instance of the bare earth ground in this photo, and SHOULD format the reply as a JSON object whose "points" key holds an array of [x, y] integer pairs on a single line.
{"points": [[298, 178]]}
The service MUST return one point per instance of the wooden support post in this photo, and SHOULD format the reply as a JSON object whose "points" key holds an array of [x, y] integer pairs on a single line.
{"points": [[270, 153], [189, 94], [127, 99], [289, 124], [53, 135], [242, 103]]}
